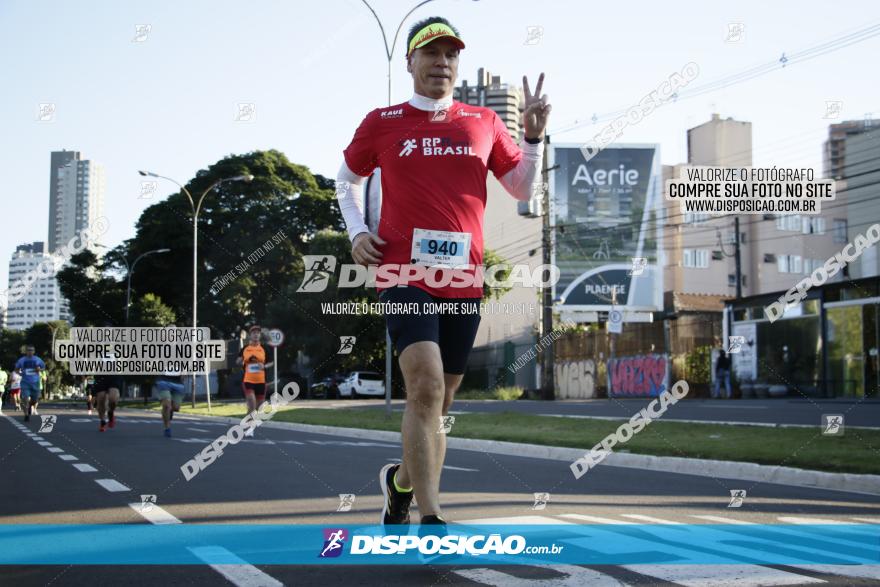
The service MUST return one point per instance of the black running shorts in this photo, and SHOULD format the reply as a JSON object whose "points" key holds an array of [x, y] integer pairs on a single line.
{"points": [[414, 315], [106, 383], [258, 389]]}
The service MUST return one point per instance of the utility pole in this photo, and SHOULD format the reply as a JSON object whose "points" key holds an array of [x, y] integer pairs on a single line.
{"points": [[736, 255], [548, 352], [739, 292], [612, 343]]}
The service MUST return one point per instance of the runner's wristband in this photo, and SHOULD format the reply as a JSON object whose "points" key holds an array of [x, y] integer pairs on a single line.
{"points": [[534, 141]]}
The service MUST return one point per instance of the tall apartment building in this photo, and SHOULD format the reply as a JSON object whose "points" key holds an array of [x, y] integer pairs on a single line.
{"points": [[775, 251], [58, 160], [835, 148], [506, 100], [76, 196], [32, 296], [851, 154]]}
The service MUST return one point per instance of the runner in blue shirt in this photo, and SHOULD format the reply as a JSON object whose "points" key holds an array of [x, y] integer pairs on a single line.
{"points": [[29, 367]]}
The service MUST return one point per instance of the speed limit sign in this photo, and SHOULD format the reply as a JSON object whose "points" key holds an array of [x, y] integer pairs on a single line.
{"points": [[276, 337], [615, 322]]}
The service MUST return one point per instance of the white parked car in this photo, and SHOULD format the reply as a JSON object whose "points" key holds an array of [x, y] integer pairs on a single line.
{"points": [[362, 383]]}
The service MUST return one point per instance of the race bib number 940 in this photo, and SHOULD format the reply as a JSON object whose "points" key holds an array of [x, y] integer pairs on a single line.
{"points": [[440, 247]]}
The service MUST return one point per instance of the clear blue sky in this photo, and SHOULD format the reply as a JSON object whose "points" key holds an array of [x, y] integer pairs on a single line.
{"points": [[313, 69]]}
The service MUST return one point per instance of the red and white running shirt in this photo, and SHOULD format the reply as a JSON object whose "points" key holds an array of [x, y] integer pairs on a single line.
{"points": [[434, 167]]}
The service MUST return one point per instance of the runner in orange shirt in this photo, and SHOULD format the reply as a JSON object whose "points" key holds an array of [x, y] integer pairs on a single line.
{"points": [[253, 359]]}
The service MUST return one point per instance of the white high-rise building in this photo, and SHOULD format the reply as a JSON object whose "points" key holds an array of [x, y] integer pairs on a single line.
{"points": [[33, 297], [76, 196]]}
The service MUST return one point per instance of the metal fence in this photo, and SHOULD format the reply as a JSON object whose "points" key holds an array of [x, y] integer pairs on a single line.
{"points": [[687, 340]]}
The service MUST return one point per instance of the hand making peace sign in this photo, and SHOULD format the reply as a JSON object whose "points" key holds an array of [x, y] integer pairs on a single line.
{"points": [[537, 109]]}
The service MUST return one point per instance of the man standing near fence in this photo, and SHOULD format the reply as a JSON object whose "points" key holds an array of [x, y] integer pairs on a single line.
{"points": [[722, 374]]}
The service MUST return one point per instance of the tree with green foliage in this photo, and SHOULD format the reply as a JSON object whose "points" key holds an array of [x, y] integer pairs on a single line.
{"points": [[11, 347], [94, 296], [149, 310], [250, 233]]}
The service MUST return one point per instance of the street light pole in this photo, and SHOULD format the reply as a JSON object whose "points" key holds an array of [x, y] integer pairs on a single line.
{"points": [[130, 271], [196, 208], [389, 51]]}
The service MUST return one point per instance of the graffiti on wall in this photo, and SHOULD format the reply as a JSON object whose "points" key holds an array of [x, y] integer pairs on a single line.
{"points": [[576, 379], [639, 376]]}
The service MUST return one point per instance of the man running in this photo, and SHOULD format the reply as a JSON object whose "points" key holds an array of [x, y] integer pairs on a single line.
{"points": [[435, 154], [253, 359], [29, 367], [170, 391], [106, 393]]}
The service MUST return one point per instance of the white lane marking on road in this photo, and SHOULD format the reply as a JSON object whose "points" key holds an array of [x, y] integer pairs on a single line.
{"points": [[731, 406], [595, 519], [55, 449], [734, 550], [84, 468], [868, 520], [44, 443], [514, 520], [779, 528], [574, 577], [721, 520], [353, 443], [811, 521], [67, 457], [239, 572], [650, 519], [154, 514], [201, 429], [861, 571], [112, 485], [722, 575], [451, 468], [150, 421], [248, 441]]}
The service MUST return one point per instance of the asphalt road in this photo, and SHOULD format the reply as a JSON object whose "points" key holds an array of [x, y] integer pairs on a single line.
{"points": [[283, 476], [801, 412]]}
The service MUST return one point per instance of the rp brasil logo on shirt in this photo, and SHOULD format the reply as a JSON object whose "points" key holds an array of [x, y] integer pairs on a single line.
{"points": [[434, 146], [334, 542]]}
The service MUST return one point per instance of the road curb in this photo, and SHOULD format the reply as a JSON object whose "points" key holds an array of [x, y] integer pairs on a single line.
{"points": [[849, 482]]}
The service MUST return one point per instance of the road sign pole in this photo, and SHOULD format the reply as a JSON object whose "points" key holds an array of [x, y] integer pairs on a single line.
{"points": [[276, 337]]}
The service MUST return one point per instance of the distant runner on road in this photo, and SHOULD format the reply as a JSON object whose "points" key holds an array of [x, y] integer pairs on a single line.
{"points": [[29, 367], [252, 359]]}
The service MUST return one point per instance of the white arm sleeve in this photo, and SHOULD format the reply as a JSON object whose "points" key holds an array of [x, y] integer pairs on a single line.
{"points": [[349, 194], [519, 181]]}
